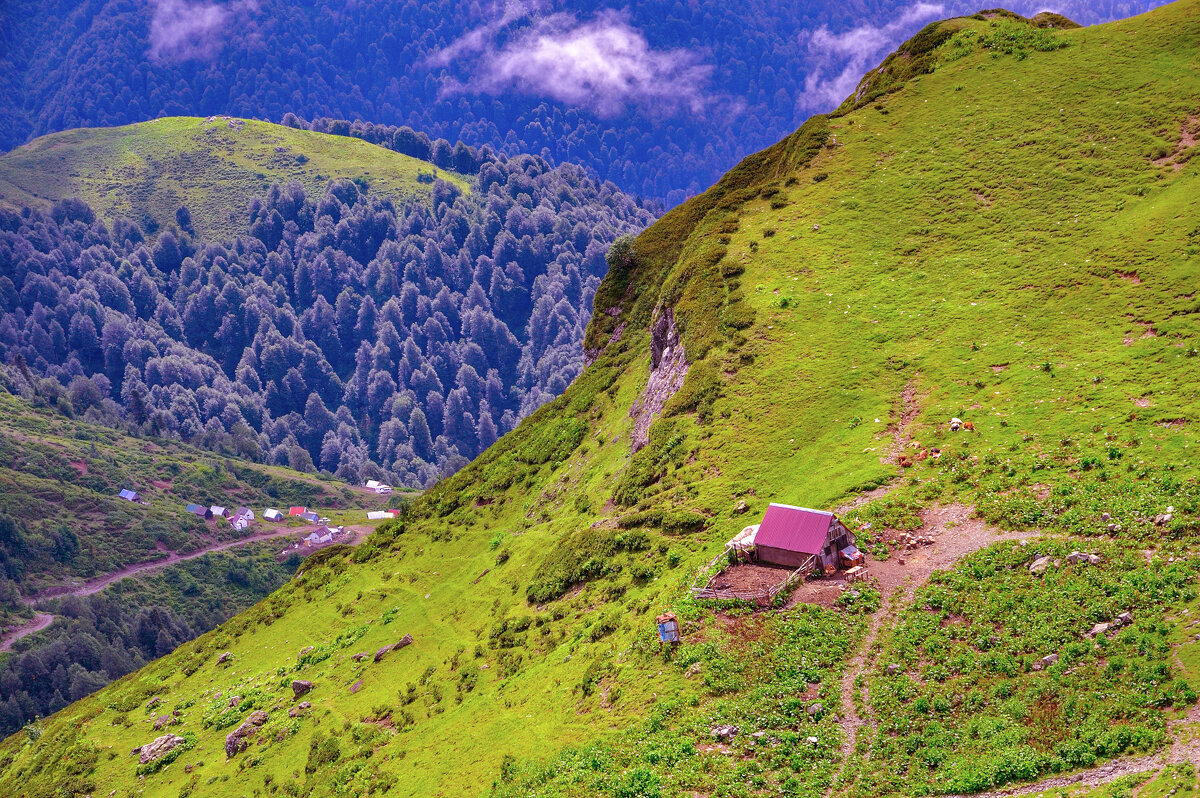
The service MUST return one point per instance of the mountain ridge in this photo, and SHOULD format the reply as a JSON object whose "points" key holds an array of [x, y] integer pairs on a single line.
{"points": [[975, 252]]}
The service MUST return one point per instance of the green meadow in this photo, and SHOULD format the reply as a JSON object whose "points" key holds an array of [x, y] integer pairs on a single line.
{"points": [[989, 233]]}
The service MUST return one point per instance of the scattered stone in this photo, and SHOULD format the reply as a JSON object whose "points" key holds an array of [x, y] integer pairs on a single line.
{"points": [[359, 657], [153, 702], [1125, 618], [221, 660], [812, 741], [158, 748], [293, 712], [381, 653], [693, 670], [235, 700], [236, 741], [1105, 517], [354, 688], [304, 651], [163, 721], [1162, 520], [404, 641], [815, 709], [758, 735], [1099, 629], [725, 732], [300, 687], [1045, 662], [1040, 566], [741, 507], [893, 669], [305, 705]]}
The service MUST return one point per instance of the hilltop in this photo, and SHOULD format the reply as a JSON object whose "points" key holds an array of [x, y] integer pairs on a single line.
{"points": [[1005, 233], [212, 166]]}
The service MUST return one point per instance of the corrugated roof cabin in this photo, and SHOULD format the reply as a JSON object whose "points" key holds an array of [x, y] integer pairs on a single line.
{"points": [[244, 512], [789, 535], [219, 511], [199, 510], [129, 495], [271, 514], [298, 511], [312, 518]]}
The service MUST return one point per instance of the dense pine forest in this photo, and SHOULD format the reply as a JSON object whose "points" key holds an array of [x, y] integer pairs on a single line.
{"points": [[346, 332]]}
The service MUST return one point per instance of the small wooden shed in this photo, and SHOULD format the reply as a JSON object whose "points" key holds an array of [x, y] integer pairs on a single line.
{"points": [[789, 536]]}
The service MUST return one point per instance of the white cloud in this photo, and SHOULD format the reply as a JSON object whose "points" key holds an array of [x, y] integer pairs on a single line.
{"points": [[839, 60], [191, 29], [604, 64]]}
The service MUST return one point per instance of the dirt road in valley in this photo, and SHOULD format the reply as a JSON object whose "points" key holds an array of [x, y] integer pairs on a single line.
{"points": [[40, 621]]}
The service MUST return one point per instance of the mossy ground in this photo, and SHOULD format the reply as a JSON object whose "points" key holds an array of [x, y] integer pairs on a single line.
{"points": [[210, 165], [972, 240]]}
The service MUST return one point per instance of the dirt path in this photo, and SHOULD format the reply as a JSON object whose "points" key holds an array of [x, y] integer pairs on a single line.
{"points": [[955, 534], [99, 583], [40, 621]]}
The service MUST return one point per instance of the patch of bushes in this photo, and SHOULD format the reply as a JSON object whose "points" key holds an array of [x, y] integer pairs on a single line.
{"points": [[585, 555]]}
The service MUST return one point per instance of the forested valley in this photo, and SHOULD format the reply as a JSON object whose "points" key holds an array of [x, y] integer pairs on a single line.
{"points": [[346, 332]]}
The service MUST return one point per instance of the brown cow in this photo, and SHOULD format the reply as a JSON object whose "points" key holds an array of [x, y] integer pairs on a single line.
{"points": [[968, 426]]}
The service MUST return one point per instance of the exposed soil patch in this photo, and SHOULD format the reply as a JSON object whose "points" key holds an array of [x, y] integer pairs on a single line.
{"points": [[863, 498], [1189, 134], [1172, 423], [908, 411], [823, 592], [1131, 277], [80, 467], [1141, 401], [999, 367], [1148, 331], [749, 577], [161, 484]]}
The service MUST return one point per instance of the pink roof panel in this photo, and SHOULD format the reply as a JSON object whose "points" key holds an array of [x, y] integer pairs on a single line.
{"points": [[794, 529]]}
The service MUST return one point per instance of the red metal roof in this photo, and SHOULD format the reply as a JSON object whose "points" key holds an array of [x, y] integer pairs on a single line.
{"points": [[794, 529], [297, 511]]}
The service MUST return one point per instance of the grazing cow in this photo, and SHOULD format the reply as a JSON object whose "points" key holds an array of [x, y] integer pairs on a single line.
{"points": [[968, 426], [921, 455]]}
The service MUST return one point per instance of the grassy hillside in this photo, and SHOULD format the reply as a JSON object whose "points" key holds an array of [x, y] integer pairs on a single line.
{"points": [[214, 166], [1006, 231]]}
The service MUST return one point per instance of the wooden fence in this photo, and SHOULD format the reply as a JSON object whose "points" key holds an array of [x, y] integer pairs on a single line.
{"points": [[760, 596]]}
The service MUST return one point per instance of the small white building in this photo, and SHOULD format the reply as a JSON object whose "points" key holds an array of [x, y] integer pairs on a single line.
{"points": [[271, 514], [378, 515], [380, 488]]}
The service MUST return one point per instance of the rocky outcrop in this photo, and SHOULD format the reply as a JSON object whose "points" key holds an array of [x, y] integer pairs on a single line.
{"points": [[668, 367], [301, 686], [158, 748], [401, 643], [236, 741]]}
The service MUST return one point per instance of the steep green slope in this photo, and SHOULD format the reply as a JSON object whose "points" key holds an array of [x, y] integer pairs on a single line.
{"points": [[993, 238], [213, 166]]}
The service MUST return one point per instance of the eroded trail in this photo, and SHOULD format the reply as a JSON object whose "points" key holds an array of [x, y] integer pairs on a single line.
{"points": [[955, 534], [99, 583], [40, 621]]}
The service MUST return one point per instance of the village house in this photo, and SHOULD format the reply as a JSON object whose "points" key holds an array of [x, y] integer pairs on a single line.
{"points": [[380, 488], [378, 515], [271, 514], [310, 517], [297, 511], [790, 536], [200, 510], [219, 511]]}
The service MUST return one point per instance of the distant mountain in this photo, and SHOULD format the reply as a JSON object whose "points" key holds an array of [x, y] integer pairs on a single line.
{"points": [[213, 167], [660, 97], [390, 325], [1001, 225]]}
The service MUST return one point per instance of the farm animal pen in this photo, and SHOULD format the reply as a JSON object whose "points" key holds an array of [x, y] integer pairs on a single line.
{"points": [[759, 596]]}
